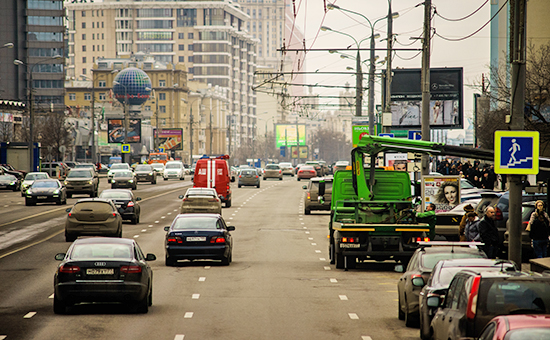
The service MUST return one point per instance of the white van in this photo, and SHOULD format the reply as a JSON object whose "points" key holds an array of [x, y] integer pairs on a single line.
{"points": [[174, 169]]}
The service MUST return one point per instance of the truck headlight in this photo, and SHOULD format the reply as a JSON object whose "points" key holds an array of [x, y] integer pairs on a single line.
{"points": [[112, 181]]}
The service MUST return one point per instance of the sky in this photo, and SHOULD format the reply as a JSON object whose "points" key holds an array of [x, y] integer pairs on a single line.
{"points": [[472, 54]]}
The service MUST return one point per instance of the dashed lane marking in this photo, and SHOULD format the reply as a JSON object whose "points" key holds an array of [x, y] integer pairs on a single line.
{"points": [[333, 281], [307, 232], [206, 267], [136, 236], [202, 279], [157, 221], [188, 315], [150, 225], [343, 297], [322, 259], [51, 296], [314, 244], [179, 337], [318, 251], [163, 217], [366, 337], [29, 315], [143, 230], [327, 268], [353, 316], [195, 296]]}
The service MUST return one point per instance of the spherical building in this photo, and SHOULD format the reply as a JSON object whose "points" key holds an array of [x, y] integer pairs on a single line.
{"points": [[132, 84]]}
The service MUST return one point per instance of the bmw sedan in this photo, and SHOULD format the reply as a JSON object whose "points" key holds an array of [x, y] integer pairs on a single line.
{"points": [[103, 270], [198, 236], [126, 203], [46, 190]]}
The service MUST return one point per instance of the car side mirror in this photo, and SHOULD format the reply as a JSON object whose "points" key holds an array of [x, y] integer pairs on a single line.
{"points": [[304, 187], [60, 256], [418, 281], [167, 228], [138, 198], [398, 268], [434, 301], [150, 257], [180, 197], [230, 228], [68, 209]]}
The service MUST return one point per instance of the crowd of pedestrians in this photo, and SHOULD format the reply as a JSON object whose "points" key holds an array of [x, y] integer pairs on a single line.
{"points": [[481, 176]]}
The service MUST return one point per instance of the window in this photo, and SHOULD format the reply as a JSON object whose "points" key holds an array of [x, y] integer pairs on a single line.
{"points": [[181, 47], [83, 71], [83, 25], [83, 36], [93, 24], [72, 96], [181, 59], [181, 35], [190, 59], [190, 35], [87, 96], [102, 96], [102, 83], [83, 14], [162, 83], [93, 36], [93, 48], [83, 48], [162, 96], [102, 26], [84, 60], [162, 109], [190, 47]]}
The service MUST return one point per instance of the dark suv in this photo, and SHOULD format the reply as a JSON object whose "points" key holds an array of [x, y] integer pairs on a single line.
{"points": [[475, 297], [316, 190], [82, 181]]}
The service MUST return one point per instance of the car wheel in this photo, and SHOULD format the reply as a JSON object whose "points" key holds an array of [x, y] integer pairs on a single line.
{"points": [[138, 217], [59, 202], [113, 187], [150, 297], [133, 220], [307, 212], [69, 238], [258, 186], [169, 261], [59, 307], [29, 202], [182, 178], [119, 234], [264, 178], [153, 182], [238, 186], [65, 201], [228, 204], [22, 194], [411, 320], [339, 261], [400, 313], [226, 260], [280, 178], [424, 334], [165, 178], [331, 252], [143, 305], [71, 195], [298, 178]]}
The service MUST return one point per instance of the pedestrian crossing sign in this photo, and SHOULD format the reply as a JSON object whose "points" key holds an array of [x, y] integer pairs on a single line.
{"points": [[125, 148], [517, 152]]}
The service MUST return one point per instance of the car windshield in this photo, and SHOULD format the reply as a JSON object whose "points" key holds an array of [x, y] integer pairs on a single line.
{"points": [[119, 166], [465, 184], [101, 251], [75, 174], [191, 223], [115, 194], [272, 167], [144, 168], [248, 172], [503, 296], [446, 274], [7, 177], [315, 186], [528, 333], [173, 166], [33, 177], [157, 157], [157, 165], [429, 260], [123, 174], [45, 184], [84, 166], [287, 165]]}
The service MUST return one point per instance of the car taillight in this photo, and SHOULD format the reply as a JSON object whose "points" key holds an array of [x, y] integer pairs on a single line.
{"points": [[228, 187], [308, 196], [313, 172], [257, 176], [217, 239], [498, 214], [280, 171], [420, 239], [114, 214], [349, 240], [213, 200], [130, 269], [69, 269], [174, 239], [70, 214], [472, 299], [185, 199], [130, 204], [240, 176], [525, 224]]}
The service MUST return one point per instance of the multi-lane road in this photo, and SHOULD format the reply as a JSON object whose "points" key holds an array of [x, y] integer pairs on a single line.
{"points": [[280, 284]]}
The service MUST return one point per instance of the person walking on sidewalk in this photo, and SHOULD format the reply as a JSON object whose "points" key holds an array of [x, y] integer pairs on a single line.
{"points": [[538, 229]]}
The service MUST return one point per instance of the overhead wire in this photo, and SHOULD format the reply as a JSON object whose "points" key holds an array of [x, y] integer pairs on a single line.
{"points": [[460, 19]]}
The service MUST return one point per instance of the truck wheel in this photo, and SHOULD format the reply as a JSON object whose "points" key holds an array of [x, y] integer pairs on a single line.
{"points": [[339, 261], [307, 212], [331, 252], [228, 204]]}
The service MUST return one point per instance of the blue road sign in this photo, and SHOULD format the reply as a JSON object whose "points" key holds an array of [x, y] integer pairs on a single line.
{"points": [[161, 149], [283, 151], [386, 135], [415, 134], [125, 148], [516, 152]]}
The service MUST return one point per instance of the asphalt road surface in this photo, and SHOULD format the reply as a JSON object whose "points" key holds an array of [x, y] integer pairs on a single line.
{"points": [[280, 284]]}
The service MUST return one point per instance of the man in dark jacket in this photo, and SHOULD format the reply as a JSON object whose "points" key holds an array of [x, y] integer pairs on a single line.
{"points": [[489, 233]]}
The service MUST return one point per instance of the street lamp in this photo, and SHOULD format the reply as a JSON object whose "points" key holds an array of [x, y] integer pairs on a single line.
{"points": [[30, 68], [156, 135], [125, 109], [191, 124]]}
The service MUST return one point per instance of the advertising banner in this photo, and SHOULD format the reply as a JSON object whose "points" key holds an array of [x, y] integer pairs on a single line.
{"points": [[170, 139], [443, 191], [303, 151], [286, 134], [115, 130], [397, 160]]}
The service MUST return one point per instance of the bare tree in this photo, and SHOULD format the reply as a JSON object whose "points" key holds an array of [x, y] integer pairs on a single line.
{"points": [[54, 132], [332, 145]]}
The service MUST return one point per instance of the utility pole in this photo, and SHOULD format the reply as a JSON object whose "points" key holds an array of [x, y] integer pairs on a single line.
{"points": [[297, 139], [426, 82], [371, 84], [94, 155], [210, 123], [516, 122], [387, 104], [191, 134], [358, 85]]}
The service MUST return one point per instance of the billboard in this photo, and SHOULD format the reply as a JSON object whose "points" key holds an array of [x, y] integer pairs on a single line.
{"points": [[170, 139], [443, 191], [286, 134], [303, 151], [446, 103], [115, 130]]}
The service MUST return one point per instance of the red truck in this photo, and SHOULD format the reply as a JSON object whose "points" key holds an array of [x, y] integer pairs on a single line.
{"points": [[213, 172]]}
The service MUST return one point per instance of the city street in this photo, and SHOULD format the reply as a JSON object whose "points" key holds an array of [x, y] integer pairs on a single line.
{"points": [[280, 284]]}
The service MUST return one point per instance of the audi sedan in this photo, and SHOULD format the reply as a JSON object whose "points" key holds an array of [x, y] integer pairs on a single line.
{"points": [[198, 236], [46, 190], [103, 270]]}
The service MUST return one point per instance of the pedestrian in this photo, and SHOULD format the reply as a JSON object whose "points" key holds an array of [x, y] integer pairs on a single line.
{"points": [[488, 233], [538, 229], [467, 209], [471, 230]]}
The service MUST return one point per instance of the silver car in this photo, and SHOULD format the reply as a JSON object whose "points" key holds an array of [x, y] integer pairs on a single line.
{"points": [[273, 171]]}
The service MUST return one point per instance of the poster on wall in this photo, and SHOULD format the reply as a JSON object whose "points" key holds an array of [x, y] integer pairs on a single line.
{"points": [[286, 134], [443, 191], [397, 160], [115, 130], [170, 139]]}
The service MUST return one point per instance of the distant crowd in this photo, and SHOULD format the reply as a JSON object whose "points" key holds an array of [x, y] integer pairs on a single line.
{"points": [[481, 176]]}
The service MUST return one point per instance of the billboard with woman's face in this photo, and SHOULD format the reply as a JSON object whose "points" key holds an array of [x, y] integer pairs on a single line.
{"points": [[443, 191]]}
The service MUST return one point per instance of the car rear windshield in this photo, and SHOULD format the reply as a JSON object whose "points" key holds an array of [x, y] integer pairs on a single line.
{"points": [[115, 195], [528, 333], [47, 184], [95, 206], [272, 167], [502, 296], [315, 186], [307, 167], [200, 192], [191, 223], [173, 166], [446, 274], [158, 165], [95, 251], [76, 174], [248, 172], [8, 177], [430, 259]]}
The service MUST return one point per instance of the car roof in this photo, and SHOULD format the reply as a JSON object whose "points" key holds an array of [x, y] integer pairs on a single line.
{"points": [[448, 249], [45, 180], [525, 321], [509, 275], [95, 199], [198, 215], [91, 240], [117, 190], [472, 262]]}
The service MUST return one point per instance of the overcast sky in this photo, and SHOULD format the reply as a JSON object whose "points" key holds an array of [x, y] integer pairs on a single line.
{"points": [[471, 53]]}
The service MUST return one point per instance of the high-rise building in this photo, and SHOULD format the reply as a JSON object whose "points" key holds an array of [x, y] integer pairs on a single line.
{"points": [[209, 37]]}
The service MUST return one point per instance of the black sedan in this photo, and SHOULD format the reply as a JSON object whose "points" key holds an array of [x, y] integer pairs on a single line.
{"points": [[145, 173], [198, 236], [10, 182], [46, 190], [124, 179], [103, 269], [126, 203]]}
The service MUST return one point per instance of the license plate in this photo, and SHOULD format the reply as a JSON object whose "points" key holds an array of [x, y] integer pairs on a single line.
{"points": [[42, 197], [349, 245], [196, 239], [100, 271]]}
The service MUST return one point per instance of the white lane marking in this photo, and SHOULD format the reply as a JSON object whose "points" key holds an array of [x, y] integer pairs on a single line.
{"points": [[206, 267], [231, 214], [239, 208], [150, 226], [6, 206], [310, 238], [168, 213], [307, 232], [333, 281], [202, 279], [304, 227], [143, 230], [51, 296], [318, 251], [353, 316], [343, 297], [179, 337], [195, 296], [188, 315], [301, 219], [322, 259], [365, 337], [163, 217], [231, 218], [136, 236], [29, 315], [298, 215], [175, 209], [314, 244], [327, 268], [157, 221]]}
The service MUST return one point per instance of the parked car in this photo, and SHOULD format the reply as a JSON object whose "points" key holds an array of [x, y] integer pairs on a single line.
{"points": [[475, 297], [10, 182], [198, 236], [318, 194], [117, 167], [124, 179], [287, 169], [93, 217], [126, 203], [71, 164], [159, 168], [200, 200], [174, 169], [55, 169], [145, 173], [9, 169], [103, 270], [511, 327], [441, 277], [82, 181], [46, 190], [448, 222], [30, 178], [249, 177], [419, 269], [306, 172], [273, 171]]}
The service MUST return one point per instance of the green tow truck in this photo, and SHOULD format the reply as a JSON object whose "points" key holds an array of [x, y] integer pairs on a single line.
{"points": [[372, 208]]}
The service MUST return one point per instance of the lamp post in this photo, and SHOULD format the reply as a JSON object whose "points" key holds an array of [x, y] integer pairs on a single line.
{"points": [[125, 109], [191, 125], [30, 68], [156, 135]]}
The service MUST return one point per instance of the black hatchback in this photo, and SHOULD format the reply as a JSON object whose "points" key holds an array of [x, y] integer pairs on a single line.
{"points": [[198, 236], [103, 269], [125, 202]]}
